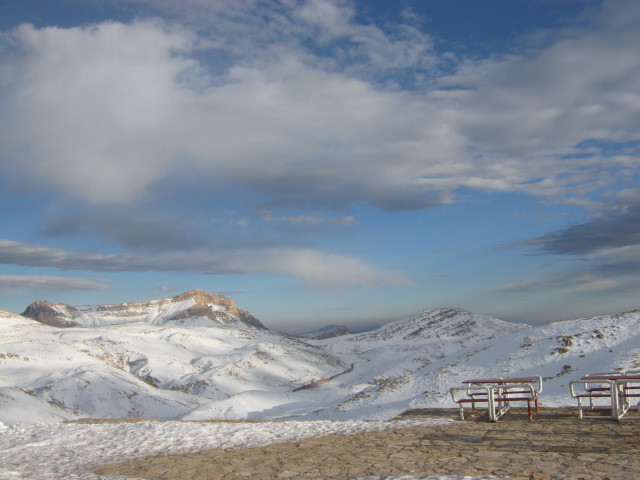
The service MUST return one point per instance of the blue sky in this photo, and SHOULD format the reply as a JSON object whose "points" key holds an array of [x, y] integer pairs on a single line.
{"points": [[323, 161]]}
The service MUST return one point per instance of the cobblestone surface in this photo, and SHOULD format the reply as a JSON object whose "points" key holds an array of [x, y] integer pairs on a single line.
{"points": [[556, 445]]}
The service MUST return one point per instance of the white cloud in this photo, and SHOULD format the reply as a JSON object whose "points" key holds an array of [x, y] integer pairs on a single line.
{"points": [[576, 281], [331, 17], [542, 115], [14, 283], [372, 50], [316, 268], [324, 270], [107, 113], [92, 110], [310, 220]]}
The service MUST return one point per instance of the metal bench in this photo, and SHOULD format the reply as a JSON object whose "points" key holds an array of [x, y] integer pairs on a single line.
{"points": [[498, 394], [615, 388]]}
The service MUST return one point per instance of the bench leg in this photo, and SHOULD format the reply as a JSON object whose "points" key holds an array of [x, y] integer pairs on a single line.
{"points": [[579, 409]]}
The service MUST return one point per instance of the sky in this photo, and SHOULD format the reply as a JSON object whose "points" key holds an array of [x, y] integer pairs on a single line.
{"points": [[323, 161]]}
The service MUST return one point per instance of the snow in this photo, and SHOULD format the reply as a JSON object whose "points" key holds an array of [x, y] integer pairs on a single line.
{"points": [[19, 407], [234, 372], [154, 312], [66, 451], [198, 370]]}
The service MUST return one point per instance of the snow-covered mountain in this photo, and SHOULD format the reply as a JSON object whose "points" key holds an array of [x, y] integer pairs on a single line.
{"points": [[162, 359], [414, 362], [190, 308], [197, 356]]}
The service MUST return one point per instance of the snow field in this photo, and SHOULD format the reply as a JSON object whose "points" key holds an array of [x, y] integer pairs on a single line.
{"points": [[173, 371], [68, 451]]}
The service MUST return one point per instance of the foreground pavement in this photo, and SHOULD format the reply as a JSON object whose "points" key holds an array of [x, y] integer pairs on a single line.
{"points": [[556, 445]]}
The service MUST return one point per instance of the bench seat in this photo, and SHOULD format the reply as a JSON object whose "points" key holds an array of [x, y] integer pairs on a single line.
{"points": [[499, 400]]}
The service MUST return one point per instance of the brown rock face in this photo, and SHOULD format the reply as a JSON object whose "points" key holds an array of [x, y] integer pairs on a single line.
{"points": [[203, 308], [49, 314], [201, 296]]}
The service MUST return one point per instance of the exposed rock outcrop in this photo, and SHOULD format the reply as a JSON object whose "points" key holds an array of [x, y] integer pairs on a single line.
{"points": [[55, 315], [206, 304], [330, 331]]}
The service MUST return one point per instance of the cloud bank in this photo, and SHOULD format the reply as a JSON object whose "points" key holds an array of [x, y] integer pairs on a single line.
{"points": [[318, 269], [15, 283], [303, 106], [105, 113], [607, 246]]}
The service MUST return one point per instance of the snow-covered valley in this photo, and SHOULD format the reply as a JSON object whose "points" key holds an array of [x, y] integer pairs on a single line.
{"points": [[189, 358], [198, 357]]}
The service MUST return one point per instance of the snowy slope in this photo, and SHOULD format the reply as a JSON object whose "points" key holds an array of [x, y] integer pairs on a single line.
{"points": [[143, 370], [402, 366], [173, 361]]}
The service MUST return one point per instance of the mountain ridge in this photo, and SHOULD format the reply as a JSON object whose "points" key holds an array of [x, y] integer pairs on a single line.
{"points": [[191, 304], [442, 323], [177, 363]]}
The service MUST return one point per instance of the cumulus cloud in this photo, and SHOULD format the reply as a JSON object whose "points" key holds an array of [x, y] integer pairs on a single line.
{"points": [[89, 110], [104, 113], [316, 268], [107, 112], [549, 110]]}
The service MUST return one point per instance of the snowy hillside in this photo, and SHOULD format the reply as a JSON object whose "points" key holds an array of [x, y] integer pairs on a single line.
{"points": [[147, 370], [413, 363], [197, 356]]}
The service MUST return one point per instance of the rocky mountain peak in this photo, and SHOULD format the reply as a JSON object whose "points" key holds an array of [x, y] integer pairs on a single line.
{"points": [[208, 305], [55, 315], [202, 296], [445, 323], [181, 309]]}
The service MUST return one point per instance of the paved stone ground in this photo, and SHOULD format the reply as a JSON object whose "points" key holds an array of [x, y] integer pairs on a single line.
{"points": [[556, 445]]}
